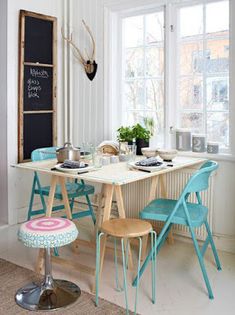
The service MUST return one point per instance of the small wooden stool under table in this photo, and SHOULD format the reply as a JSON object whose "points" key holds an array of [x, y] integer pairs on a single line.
{"points": [[125, 229]]}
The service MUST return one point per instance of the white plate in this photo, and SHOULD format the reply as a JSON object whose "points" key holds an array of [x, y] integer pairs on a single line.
{"points": [[74, 170], [146, 168]]}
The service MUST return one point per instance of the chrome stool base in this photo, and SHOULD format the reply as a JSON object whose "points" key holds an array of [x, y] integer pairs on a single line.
{"points": [[60, 293], [49, 295]]}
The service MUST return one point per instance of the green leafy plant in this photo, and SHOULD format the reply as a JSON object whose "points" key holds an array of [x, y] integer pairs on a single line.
{"points": [[140, 132], [125, 134]]}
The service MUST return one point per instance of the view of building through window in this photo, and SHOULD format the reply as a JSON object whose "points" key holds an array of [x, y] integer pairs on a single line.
{"points": [[202, 70], [203, 78]]}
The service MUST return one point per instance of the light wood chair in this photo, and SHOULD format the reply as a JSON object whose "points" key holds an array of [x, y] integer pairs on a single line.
{"points": [[124, 230]]}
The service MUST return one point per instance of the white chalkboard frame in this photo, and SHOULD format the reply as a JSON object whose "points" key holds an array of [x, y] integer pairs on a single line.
{"points": [[22, 64]]}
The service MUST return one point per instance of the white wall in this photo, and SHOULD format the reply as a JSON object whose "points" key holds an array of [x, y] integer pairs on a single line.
{"points": [[90, 119], [3, 112], [88, 101], [19, 182]]}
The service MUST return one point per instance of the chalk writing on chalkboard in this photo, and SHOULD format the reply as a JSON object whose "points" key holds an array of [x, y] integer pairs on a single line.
{"points": [[37, 88]]}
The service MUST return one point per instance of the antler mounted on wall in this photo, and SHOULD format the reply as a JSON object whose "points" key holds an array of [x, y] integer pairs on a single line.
{"points": [[89, 64]]}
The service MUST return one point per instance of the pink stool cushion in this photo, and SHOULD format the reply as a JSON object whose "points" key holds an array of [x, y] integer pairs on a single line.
{"points": [[47, 232]]}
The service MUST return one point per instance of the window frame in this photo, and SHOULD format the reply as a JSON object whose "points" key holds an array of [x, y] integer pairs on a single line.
{"points": [[112, 14], [204, 75], [145, 46]]}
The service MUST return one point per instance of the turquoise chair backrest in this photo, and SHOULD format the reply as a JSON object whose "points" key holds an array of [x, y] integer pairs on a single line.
{"points": [[200, 179], [43, 154]]}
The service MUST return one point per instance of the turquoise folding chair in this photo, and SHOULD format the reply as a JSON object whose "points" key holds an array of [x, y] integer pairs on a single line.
{"points": [[74, 189], [186, 213]]}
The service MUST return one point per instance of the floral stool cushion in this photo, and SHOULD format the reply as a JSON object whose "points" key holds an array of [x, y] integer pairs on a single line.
{"points": [[47, 232]]}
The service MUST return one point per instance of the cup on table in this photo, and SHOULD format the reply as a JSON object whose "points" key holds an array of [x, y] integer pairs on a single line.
{"points": [[97, 159], [132, 152], [114, 159], [105, 160]]}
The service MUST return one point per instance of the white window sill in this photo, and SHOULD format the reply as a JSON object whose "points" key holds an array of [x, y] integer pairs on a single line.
{"points": [[216, 157]]}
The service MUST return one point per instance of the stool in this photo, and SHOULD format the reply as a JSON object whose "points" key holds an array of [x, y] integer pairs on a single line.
{"points": [[124, 229], [51, 294]]}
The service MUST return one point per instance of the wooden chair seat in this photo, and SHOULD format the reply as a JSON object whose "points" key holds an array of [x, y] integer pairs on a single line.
{"points": [[126, 228]]}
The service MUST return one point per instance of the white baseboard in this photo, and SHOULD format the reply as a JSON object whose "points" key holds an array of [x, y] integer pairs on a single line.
{"points": [[224, 243], [22, 214]]}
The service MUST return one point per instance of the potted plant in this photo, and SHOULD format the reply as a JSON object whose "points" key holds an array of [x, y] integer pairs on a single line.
{"points": [[125, 134], [142, 136]]}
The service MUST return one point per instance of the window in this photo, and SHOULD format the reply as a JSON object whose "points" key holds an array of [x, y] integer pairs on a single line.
{"points": [[143, 71], [175, 69], [203, 42]]}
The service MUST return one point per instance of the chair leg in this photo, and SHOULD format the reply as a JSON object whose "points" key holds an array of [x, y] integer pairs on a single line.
{"points": [[40, 193], [97, 274], [138, 277], [124, 253], [153, 245], [91, 209], [201, 262], [118, 286], [31, 200], [213, 246]]}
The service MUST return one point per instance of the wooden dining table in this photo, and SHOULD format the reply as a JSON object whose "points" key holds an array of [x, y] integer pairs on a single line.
{"points": [[112, 177]]}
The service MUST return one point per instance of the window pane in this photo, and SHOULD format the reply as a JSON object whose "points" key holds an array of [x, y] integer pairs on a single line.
{"points": [[134, 66], [217, 17], [154, 94], [191, 93], [193, 121], [217, 128], [133, 31], [154, 61], [203, 69], [191, 57], [143, 77], [217, 93], [191, 21], [154, 28], [134, 94], [219, 55]]}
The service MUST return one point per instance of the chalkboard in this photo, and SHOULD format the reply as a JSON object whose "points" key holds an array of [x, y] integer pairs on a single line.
{"points": [[38, 40], [37, 83], [37, 88], [38, 132]]}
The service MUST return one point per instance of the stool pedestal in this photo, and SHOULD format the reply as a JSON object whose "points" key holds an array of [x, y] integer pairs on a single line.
{"points": [[50, 294]]}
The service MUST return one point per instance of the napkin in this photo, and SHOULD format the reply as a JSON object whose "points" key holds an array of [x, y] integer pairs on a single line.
{"points": [[73, 164], [149, 162]]}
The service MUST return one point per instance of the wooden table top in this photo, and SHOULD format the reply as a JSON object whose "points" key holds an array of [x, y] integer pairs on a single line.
{"points": [[115, 174]]}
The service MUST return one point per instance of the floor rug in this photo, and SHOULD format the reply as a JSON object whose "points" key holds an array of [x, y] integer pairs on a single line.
{"points": [[13, 277]]}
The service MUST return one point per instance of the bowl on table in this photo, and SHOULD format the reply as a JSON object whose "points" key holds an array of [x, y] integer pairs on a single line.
{"points": [[167, 154], [149, 152]]}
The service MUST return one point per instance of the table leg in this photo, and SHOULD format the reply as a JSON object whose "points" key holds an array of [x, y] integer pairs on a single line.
{"points": [[108, 195], [170, 238], [153, 188], [122, 214], [54, 179], [65, 198], [99, 213]]}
